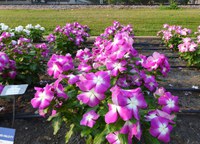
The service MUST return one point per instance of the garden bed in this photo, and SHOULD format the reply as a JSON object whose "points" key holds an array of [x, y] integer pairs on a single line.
{"points": [[39, 131]]}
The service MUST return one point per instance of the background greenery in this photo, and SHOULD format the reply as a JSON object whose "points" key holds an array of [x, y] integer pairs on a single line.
{"points": [[146, 22]]}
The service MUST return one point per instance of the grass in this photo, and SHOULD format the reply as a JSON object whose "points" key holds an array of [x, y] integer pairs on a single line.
{"points": [[146, 22]]}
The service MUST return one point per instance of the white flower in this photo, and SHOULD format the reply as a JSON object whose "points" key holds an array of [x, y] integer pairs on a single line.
{"points": [[29, 26], [4, 27], [19, 28], [14, 42], [27, 31], [12, 34], [42, 28], [37, 26]]}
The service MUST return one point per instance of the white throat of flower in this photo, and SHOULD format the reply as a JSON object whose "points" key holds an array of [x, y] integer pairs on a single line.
{"points": [[98, 80], [170, 103], [163, 129]]}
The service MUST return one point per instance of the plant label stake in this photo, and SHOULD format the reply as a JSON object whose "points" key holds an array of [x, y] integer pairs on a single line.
{"points": [[7, 135], [12, 91]]}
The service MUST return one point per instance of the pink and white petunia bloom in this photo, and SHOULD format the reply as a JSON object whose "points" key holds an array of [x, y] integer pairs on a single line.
{"points": [[114, 110], [113, 138], [159, 92], [60, 91], [116, 66], [99, 81], [132, 130], [84, 67], [154, 61], [58, 64], [90, 97], [89, 119], [161, 129], [169, 102], [134, 101], [3, 58], [43, 97], [122, 82], [72, 79], [158, 113], [84, 55]]}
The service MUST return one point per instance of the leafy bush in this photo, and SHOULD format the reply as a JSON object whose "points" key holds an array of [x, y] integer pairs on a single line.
{"points": [[110, 93], [172, 35], [30, 59], [179, 39], [69, 38], [34, 33]]}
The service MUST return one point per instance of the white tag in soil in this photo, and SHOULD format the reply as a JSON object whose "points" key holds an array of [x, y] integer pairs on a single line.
{"points": [[14, 90]]}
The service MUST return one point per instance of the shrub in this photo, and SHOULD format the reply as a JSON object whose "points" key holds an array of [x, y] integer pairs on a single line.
{"points": [[110, 93], [172, 35], [69, 38], [30, 59]]}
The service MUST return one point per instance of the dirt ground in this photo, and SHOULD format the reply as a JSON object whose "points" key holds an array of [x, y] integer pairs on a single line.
{"points": [[187, 130]]}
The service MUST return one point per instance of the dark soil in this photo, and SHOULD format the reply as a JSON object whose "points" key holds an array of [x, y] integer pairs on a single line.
{"points": [[187, 130]]}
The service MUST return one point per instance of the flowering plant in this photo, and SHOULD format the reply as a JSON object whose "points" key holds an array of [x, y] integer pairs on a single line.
{"points": [[179, 39], [29, 58], [189, 49], [110, 93], [172, 35], [4, 28], [69, 38], [35, 33]]}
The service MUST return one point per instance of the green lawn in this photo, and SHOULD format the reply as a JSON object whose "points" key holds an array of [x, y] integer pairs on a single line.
{"points": [[145, 21]]}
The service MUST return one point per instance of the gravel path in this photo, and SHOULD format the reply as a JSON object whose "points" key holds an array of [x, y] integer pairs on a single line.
{"points": [[62, 7]]}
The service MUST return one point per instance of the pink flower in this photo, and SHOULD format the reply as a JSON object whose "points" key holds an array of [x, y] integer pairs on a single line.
{"points": [[60, 91], [90, 97], [122, 82], [158, 113], [84, 67], [72, 79], [114, 110], [169, 102], [161, 129], [51, 38], [159, 92], [59, 64], [43, 97], [116, 66], [100, 81], [84, 55], [113, 138], [89, 119], [134, 101], [132, 130], [3, 58]]}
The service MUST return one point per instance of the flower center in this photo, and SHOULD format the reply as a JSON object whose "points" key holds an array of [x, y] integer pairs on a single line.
{"points": [[117, 65], [132, 103], [170, 103], [163, 129], [98, 80], [89, 117]]}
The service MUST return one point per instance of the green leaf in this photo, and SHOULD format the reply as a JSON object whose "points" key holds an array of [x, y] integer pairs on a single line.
{"points": [[89, 140], [56, 122], [123, 138], [114, 80], [69, 133], [99, 138], [150, 139]]}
